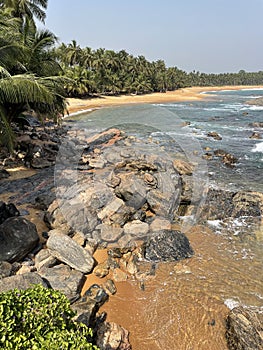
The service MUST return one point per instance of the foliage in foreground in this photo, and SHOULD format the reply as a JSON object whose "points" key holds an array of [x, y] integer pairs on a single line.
{"points": [[40, 319]]}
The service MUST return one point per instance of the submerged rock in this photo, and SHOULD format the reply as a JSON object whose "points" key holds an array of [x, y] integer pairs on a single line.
{"points": [[168, 245], [245, 329]]}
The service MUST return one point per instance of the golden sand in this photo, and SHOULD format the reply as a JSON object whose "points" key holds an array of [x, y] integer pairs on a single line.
{"points": [[181, 95]]}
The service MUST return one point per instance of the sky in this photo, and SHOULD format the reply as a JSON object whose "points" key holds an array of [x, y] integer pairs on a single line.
{"points": [[210, 36]]}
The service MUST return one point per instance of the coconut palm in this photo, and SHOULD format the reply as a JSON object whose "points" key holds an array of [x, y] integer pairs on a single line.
{"points": [[26, 8]]}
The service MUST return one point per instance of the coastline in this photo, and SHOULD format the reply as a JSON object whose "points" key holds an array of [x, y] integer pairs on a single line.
{"points": [[79, 106]]}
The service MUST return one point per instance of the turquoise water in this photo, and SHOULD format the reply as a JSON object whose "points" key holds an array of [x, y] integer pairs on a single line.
{"points": [[225, 112]]}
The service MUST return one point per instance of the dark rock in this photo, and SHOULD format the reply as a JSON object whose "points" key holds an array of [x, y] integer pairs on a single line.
{"points": [[110, 287], [64, 279], [245, 329], [168, 245], [18, 237], [229, 160], [5, 269], [248, 204], [44, 200], [89, 304], [68, 251], [23, 281], [4, 174], [111, 336], [255, 135], [215, 135], [7, 211]]}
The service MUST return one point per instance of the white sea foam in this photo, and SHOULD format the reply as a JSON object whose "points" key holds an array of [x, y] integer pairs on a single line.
{"points": [[252, 108], [231, 303], [258, 147]]}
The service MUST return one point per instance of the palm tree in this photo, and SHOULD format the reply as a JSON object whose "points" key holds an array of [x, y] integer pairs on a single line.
{"points": [[26, 9]]}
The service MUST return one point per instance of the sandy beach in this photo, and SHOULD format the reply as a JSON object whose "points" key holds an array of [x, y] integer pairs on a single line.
{"points": [[185, 94]]}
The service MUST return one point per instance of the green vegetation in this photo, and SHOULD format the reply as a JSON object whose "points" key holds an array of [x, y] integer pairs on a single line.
{"points": [[40, 319], [108, 72], [30, 77]]}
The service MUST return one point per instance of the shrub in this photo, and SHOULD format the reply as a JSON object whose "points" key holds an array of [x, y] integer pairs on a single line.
{"points": [[40, 319]]}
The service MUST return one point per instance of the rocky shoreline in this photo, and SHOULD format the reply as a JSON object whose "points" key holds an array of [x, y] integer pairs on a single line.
{"points": [[110, 192]]}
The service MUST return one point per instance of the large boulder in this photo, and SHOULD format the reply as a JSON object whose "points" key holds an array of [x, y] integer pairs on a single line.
{"points": [[168, 245], [64, 279], [245, 329], [68, 251], [18, 237]]}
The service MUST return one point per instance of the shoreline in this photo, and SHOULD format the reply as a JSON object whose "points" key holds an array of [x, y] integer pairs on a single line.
{"points": [[78, 106]]}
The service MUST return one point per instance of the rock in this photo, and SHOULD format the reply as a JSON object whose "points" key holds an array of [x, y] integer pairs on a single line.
{"points": [[5, 269], [68, 251], [18, 237], [109, 233], [183, 167], [4, 174], [132, 190], [43, 201], [79, 238], [167, 245], [244, 329], [96, 293], [24, 281], [7, 211], [40, 163], [110, 287], [256, 124], [215, 135], [101, 270], [159, 224], [112, 336], [248, 204], [162, 203], [255, 135], [136, 229], [229, 160], [64, 279], [119, 275], [44, 259]]}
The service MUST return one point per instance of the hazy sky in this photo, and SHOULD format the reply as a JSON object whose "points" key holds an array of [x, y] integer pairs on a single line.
{"points": [[205, 35]]}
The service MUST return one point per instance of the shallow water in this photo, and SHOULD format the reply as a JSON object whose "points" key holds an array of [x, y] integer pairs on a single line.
{"points": [[184, 306]]}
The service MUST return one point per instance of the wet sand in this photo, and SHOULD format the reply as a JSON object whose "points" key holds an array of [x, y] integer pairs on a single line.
{"points": [[76, 105]]}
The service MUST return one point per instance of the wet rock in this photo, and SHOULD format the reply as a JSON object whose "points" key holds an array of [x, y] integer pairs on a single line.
{"points": [[64, 279], [18, 237], [255, 135], [5, 269], [119, 275], [96, 293], [110, 287], [183, 167], [248, 204], [68, 251], [7, 211], [256, 124], [43, 201], [163, 203], [229, 160], [24, 281], [168, 245], [244, 329], [112, 336], [214, 135]]}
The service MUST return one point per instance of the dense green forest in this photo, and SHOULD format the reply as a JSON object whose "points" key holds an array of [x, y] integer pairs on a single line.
{"points": [[37, 74], [104, 71]]}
